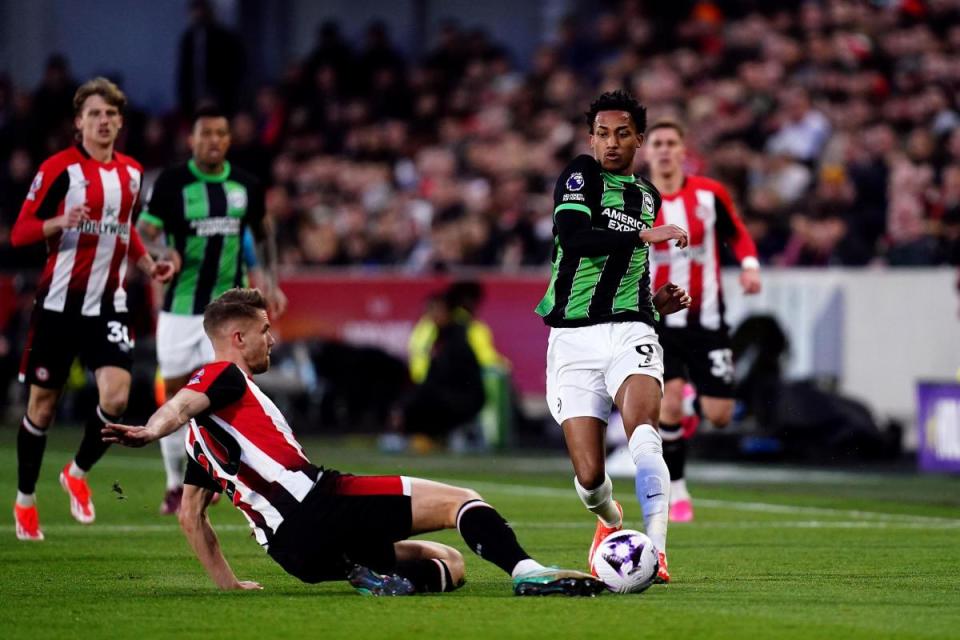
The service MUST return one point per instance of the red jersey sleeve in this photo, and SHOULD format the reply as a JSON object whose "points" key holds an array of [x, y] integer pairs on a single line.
{"points": [[137, 250], [731, 228], [222, 382], [43, 201]]}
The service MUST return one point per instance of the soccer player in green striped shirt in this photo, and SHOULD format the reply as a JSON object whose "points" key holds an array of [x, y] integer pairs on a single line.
{"points": [[603, 348], [200, 210]]}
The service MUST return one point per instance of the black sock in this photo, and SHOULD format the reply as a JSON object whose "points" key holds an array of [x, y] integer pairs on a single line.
{"points": [[427, 576], [489, 536], [674, 449], [92, 447], [30, 448]]}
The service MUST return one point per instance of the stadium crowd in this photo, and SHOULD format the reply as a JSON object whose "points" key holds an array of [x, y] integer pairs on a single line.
{"points": [[835, 126]]}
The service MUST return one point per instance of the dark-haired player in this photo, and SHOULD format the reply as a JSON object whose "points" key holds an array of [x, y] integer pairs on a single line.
{"points": [[603, 348], [317, 523], [695, 341], [199, 211], [81, 204]]}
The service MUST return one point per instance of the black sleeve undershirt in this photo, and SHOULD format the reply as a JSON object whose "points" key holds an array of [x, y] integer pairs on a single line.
{"points": [[227, 388], [196, 476]]}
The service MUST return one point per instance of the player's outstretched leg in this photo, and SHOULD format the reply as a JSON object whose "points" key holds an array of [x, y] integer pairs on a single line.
{"points": [[600, 501], [31, 442], [653, 489], [675, 455], [73, 476], [438, 506], [174, 462]]}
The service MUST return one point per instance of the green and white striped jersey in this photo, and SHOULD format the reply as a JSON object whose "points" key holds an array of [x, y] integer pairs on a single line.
{"points": [[204, 217], [600, 267]]}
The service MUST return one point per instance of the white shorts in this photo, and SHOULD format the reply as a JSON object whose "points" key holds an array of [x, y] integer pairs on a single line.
{"points": [[182, 345], [587, 365]]}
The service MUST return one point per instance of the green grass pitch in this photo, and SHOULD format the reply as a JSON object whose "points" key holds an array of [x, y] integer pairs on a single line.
{"points": [[804, 555]]}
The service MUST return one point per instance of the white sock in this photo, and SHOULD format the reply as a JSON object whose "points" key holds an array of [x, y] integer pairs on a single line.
{"points": [[652, 482], [678, 491], [26, 499], [526, 566], [600, 501], [174, 457], [75, 471]]}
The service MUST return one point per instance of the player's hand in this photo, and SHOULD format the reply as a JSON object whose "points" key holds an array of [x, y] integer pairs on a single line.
{"points": [[247, 585], [671, 298], [73, 217], [276, 302], [174, 256], [163, 271], [750, 281], [126, 435], [665, 233]]}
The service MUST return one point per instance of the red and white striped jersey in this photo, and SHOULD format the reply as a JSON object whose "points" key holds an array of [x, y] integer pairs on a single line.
{"points": [[246, 446], [86, 266], [704, 208]]}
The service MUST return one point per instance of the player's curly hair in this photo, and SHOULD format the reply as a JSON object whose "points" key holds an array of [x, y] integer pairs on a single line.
{"points": [[618, 100], [233, 304], [102, 87]]}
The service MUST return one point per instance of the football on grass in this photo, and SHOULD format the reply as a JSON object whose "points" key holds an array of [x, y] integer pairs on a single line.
{"points": [[626, 561]]}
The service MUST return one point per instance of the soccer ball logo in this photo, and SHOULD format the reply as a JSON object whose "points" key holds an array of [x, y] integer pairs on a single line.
{"points": [[626, 561]]}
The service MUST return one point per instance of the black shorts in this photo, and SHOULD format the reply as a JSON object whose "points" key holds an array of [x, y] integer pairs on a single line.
{"points": [[700, 356], [345, 520], [55, 339]]}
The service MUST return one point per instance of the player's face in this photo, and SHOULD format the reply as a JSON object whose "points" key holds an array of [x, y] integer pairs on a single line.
{"points": [[99, 122], [665, 151], [257, 343], [210, 140], [615, 141]]}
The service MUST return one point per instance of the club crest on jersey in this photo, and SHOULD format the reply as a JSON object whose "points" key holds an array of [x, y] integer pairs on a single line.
{"points": [[648, 203], [237, 199], [134, 185], [196, 377], [575, 182], [35, 186]]}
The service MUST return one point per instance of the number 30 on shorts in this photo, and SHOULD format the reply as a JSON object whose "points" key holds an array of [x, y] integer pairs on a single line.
{"points": [[722, 364], [117, 333]]}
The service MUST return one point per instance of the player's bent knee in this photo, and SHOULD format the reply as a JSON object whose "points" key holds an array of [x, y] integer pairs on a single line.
{"points": [[468, 495], [456, 565], [590, 476], [719, 412]]}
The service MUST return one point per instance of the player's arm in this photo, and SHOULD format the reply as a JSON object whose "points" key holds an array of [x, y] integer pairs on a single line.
{"points": [[177, 411], [201, 536], [265, 240], [731, 229], [42, 214], [210, 389]]}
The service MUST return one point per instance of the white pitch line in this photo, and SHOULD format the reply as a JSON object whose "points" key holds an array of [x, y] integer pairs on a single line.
{"points": [[729, 505], [585, 524]]}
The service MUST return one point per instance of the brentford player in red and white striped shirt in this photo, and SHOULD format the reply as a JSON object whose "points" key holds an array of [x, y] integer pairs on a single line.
{"points": [[695, 341], [82, 204], [318, 524]]}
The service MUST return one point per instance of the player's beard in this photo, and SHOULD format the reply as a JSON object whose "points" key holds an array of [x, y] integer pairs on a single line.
{"points": [[262, 366]]}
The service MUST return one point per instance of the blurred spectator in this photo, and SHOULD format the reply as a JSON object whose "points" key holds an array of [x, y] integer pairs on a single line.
{"points": [[53, 99], [211, 64], [448, 389], [835, 125]]}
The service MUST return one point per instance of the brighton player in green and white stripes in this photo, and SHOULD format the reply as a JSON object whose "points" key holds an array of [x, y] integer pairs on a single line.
{"points": [[603, 348], [200, 211]]}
